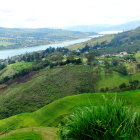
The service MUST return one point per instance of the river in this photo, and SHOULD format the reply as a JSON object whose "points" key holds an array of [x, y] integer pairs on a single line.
{"points": [[13, 52]]}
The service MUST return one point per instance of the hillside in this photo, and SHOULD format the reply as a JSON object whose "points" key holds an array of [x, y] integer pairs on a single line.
{"points": [[12, 38], [53, 114], [29, 94], [112, 44], [33, 133], [35, 84], [91, 42]]}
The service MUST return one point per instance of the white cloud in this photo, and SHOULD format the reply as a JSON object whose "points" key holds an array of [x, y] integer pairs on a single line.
{"points": [[55, 13]]}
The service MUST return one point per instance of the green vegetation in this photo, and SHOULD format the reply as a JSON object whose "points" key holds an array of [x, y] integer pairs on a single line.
{"points": [[45, 79], [12, 69], [34, 133], [23, 136], [53, 113], [113, 44], [45, 87], [20, 66], [111, 120], [137, 56], [35, 80], [91, 42]]}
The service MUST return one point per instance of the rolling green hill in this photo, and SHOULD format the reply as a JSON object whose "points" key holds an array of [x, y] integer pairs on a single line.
{"points": [[91, 42], [111, 44], [31, 93], [34, 133], [12, 69], [54, 113]]}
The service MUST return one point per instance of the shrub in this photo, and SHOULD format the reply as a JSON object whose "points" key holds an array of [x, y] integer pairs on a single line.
{"points": [[122, 86], [134, 84], [109, 121]]}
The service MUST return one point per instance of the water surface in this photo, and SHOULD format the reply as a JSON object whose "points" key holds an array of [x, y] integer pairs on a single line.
{"points": [[13, 52]]}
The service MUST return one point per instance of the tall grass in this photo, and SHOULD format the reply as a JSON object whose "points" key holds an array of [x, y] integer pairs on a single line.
{"points": [[109, 121]]}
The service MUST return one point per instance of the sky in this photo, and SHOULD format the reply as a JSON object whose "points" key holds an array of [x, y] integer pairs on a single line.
{"points": [[60, 13]]}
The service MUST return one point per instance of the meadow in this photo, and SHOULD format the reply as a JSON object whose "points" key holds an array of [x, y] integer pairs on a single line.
{"points": [[54, 113]]}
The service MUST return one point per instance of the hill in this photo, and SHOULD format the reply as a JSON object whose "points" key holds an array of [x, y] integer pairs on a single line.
{"points": [[111, 44], [31, 93], [105, 27], [53, 114], [33, 133], [30, 81], [92, 42], [12, 38], [27, 92]]}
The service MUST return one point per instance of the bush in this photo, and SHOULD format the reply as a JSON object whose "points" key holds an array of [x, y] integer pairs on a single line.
{"points": [[134, 84], [122, 69], [122, 86], [109, 121]]}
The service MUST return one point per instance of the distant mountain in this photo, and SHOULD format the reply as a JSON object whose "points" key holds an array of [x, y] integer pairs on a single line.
{"points": [[12, 38], [104, 27]]}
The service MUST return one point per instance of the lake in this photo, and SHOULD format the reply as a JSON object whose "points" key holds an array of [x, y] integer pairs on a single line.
{"points": [[13, 52]]}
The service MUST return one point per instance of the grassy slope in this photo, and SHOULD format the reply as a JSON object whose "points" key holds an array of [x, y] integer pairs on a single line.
{"points": [[11, 69], [45, 87], [52, 114], [22, 136], [91, 42], [34, 133], [115, 79], [51, 84], [137, 56]]}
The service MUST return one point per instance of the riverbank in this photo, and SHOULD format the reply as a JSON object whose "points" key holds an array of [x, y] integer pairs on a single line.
{"points": [[13, 52]]}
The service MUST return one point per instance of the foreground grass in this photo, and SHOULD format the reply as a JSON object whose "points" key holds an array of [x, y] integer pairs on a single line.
{"points": [[111, 120], [54, 113], [23, 136]]}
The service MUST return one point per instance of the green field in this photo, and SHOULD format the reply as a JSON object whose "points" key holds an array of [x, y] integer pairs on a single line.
{"points": [[55, 112], [91, 42], [34, 133], [137, 56], [49, 85], [12, 69], [115, 79], [20, 66]]}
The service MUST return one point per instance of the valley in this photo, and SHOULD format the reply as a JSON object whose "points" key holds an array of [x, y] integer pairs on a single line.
{"points": [[39, 90]]}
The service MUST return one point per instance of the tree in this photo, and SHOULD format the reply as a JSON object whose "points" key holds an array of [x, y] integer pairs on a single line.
{"points": [[90, 58], [56, 57], [123, 85], [115, 62], [70, 56], [106, 64], [134, 84], [122, 69]]}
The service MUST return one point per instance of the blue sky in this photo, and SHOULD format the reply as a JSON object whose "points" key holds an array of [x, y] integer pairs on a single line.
{"points": [[59, 13]]}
